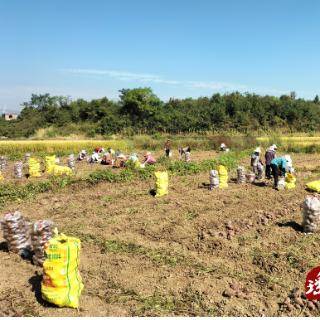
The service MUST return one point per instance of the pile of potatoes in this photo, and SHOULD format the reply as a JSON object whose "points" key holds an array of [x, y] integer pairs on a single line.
{"points": [[260, 218], [297, 300]]}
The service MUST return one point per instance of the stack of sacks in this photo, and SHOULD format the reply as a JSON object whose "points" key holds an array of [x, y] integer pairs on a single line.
{"points": [[16, 232], [18, 167], [72, 162], [214, 179], [311, 212], [42, 232], [27, 156], [241, 175], [4, 163]]}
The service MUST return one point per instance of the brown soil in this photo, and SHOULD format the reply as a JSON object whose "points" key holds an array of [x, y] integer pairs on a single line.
{"points": [[158, 256]]}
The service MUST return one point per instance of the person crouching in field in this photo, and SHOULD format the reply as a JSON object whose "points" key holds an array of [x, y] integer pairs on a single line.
{"points": [[106, 160], [134, 157], [270, 155], [82, 155], [183, 151], [148, 160], [255, 161], [95, 157], [167, 147], [222, 147], [278, 166], [111, 152]]}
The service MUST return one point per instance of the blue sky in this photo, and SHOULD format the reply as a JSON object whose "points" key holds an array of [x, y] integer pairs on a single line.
{"points": [[91, 49]]}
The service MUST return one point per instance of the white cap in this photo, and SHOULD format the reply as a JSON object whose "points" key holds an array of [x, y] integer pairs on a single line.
{"points": [[287, 157], [83, 151], [257, 150]]}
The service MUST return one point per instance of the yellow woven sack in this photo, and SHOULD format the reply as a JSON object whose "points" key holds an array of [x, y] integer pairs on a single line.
{"points": [[162, 183], [223, 171], [290, 178], [62, 283], [34, 168], [314, 186], [289, 185], [50, 163], [223, 181], [59, 171]]}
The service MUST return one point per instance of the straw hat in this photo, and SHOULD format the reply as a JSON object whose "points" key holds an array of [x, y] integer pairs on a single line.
{"points": [[258, 150]]}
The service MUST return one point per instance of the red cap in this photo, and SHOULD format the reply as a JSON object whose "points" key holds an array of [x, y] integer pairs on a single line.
{"points": [[145, 155]]}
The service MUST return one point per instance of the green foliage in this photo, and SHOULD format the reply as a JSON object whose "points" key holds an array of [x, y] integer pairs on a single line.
{"points": [[141, 111]]}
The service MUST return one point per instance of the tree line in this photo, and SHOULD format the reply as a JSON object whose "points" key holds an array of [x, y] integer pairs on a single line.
{"points": [[139, 111]]}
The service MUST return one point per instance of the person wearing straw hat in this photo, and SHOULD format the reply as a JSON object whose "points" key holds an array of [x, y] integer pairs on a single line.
{"points": [[167, 147], [256, 160]]}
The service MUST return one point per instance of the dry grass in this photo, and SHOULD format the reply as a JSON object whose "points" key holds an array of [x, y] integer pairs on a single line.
{"points": [[10, 147]]}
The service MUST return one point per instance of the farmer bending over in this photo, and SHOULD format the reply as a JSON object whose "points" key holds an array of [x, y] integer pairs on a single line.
{"points": [[148, 160], [278, 166], [184, 150], [106, 160]]}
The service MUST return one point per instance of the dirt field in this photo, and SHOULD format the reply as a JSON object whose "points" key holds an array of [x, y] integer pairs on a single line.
{"points": [[146, 256]]}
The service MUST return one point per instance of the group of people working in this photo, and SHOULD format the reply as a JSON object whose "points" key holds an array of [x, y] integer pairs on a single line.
{"points": [[119, 160], [277, 167], [99, 156]]}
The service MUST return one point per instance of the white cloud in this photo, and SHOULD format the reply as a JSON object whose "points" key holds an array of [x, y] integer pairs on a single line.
{"points": [[143, 77]]}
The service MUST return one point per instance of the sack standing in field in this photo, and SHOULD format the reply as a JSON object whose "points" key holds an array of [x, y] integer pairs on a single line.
{"points": [[16, 233], [27, 156], [290, 181], [72, 162], [223, 176], [18, 170], [50, 163], [42, 232], [59, 171], [310, 222], [241, 175], [162, 183], [214, 179], [34, 168], [62, 283], [4, 163]]}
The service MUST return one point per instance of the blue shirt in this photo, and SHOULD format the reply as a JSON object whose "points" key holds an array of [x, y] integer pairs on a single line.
{"points": [[279, 162], [134, 158]]}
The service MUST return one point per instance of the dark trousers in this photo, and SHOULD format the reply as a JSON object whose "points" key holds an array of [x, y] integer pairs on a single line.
{"points": [[268, 171], [167, 152], [275, 173]]}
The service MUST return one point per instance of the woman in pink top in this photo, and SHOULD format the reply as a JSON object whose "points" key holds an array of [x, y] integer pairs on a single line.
{"points": [[148, 160]]}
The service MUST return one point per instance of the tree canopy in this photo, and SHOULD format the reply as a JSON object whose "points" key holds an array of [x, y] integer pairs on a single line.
{"points": [[139, 110]]}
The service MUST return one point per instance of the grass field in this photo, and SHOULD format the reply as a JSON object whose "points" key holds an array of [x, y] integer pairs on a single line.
{"points": [[146, 256]]}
